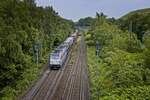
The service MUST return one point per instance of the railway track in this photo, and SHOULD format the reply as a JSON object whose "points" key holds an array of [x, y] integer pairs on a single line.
{"points": [[85, 79], [75, 90], [68, 83], [72, 80], [35, 92], [65, 81]]}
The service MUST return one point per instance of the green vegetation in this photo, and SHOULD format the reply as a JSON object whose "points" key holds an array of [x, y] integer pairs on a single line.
{"points": [[22, 25], [88, 21], [140, 22], [122, 71]]}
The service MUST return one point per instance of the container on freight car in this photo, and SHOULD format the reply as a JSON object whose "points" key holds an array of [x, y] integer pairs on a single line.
{"points": [[74, 35], [69, 41]]}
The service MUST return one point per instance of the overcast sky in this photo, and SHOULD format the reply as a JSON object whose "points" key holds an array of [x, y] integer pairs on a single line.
{"points": [[76, 9]]}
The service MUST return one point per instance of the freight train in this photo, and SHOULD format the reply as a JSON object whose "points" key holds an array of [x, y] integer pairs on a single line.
{"points": [[58, 58]]}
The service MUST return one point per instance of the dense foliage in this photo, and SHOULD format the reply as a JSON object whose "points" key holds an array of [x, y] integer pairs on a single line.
{"points": [[140, 20], [88, 21], [122, 70], [22, 25]]}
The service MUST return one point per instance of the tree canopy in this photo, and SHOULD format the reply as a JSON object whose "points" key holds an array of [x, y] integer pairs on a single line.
{"points": [[122, 69], [22, 25]]}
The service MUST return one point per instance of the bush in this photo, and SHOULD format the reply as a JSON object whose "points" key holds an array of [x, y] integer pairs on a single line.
{"points": [[132, 93], [120, 72], [147, 57]]}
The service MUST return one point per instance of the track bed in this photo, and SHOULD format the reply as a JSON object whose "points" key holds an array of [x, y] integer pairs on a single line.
{"points": [[68, 83]]}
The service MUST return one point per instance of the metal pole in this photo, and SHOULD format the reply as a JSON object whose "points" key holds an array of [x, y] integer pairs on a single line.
{"points": [[37, 57], [130, 26], [130, 30]]}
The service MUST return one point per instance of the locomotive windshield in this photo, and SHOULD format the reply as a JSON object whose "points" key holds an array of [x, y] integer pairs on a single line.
{"points": [[55, 56]]}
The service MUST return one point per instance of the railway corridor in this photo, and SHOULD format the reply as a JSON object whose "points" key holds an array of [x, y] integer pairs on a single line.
{"points": [[68, 83]]}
